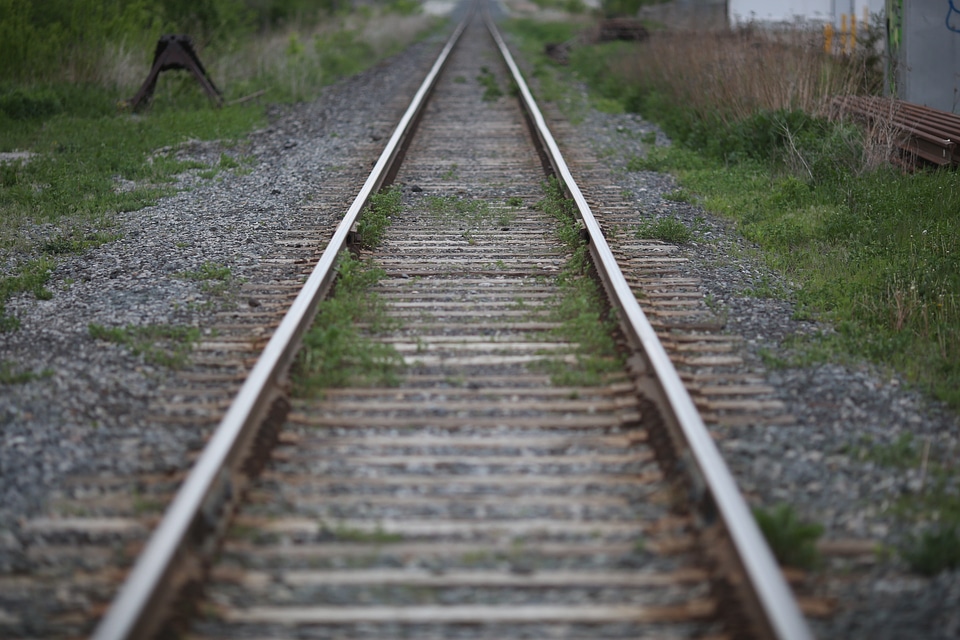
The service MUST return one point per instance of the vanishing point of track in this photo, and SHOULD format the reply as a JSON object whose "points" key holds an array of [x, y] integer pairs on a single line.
{"points": [[475, 499]]}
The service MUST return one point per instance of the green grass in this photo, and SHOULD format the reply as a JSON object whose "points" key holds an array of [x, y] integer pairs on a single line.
{"points": [[666, 229], [215, 279], [935, 550], [164, 345], [377, 215], [491, 89], [877, 254], [71, 182], [208, 271], [581, 308], [456, 209], [342, 533], [793, 541], [10, 375], [335, 353]]}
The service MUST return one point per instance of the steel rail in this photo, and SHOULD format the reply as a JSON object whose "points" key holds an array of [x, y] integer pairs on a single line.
{"points": [[215, 476], [783, 615]]}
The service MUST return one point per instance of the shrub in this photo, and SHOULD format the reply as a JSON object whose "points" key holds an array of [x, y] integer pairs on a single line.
{"points": [[792, 541]]}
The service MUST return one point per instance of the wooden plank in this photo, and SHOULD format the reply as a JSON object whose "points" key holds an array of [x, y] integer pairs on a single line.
{"points": [[547, 422], [461, 578], [441, 528], [462, 483], [473, 614]]}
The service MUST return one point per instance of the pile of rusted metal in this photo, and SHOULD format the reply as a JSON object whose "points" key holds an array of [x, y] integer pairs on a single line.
{"points": [[922, 135]]}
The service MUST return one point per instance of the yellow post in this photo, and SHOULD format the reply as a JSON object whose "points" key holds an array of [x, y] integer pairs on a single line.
{"points": [[828, 38], [843, 31], [853, 32]]}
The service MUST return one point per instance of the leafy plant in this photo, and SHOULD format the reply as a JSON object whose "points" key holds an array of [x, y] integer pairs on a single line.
{"points": [[9, 374], [666, 229], [163, 345], [377, 215], [581, 304], [335, 353], [935, 550], [792, 541], [491, 89]]}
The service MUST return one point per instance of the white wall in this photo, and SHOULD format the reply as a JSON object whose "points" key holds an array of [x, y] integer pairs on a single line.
{"points": [[930, 55], [741, 11]]}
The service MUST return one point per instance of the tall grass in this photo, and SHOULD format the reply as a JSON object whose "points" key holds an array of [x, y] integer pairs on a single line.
{"points": [[733, 75]]}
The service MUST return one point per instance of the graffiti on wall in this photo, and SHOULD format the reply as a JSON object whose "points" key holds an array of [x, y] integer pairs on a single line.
{"points": [[953, 17]]}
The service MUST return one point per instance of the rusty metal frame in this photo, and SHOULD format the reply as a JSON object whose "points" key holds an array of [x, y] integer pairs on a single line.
{"points": [[175, 52]]}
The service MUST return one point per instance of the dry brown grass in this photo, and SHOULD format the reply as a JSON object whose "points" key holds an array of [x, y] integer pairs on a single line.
{"points": [[734, 75]]}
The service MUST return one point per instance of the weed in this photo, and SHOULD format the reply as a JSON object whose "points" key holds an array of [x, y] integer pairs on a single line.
{"points": [[453, 208], [334, 352], [215, 279], [376, 216], [163, 345], [514, 201], [665, 229], [792, 541], [902, 453], [9, 375], [936, 550], [208, 271], [872, 250], [343, 533], [451, 173], [679, 195], [32, 278], [491, 90], [767, 287], [580, 304]]}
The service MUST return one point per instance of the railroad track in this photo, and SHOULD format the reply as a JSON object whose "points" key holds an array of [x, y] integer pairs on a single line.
{"points": [[477, 498]]}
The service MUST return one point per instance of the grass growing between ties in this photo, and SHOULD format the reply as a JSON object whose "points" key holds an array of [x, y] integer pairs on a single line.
{"points": [[163, 345], [793, 541], [335, 352], [581, 306], [376, 216], [343, 533], [491, 89]]}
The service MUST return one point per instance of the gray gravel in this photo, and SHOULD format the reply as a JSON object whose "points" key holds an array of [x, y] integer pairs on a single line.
{"points": [[86, 413], [844, 411]]}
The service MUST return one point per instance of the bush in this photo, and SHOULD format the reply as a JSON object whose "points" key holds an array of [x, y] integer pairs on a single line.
{"points": [[792, 541], [935, 551], [25, 104]]}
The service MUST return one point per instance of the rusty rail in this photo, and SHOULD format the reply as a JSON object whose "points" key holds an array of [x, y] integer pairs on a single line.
{"points": [[923, 135]]}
